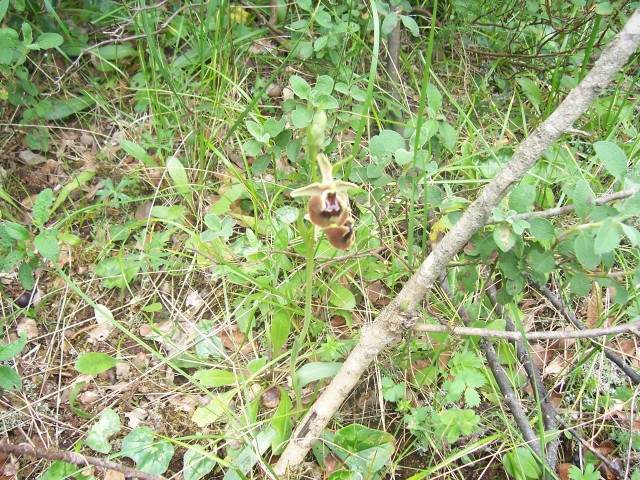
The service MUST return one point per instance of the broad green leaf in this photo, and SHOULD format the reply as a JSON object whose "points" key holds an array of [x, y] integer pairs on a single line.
{"points": [[9, 379], [108, 425], [197, 464], [410, 24], [71, 185], [4, 5], [214, 377], [69, 239], [531, 91], [94, 363], [632, 233], [256, 131], [47, 244], [301, 116], [49, 40], [314, 371], [385, 144], [60, 109], [434, 98], [580, 284], [541, 229], [585, 253], [522, 197], [363, 449], [389, 23], [217, 407], [300, 87], [583, 199], [137, 152], [608, 237], [521, 464], [12, 349], [280, 329], [41, 206], [25, 275], [504, 237], [281, 422], [341, 297], [16, 231], [59, 470], [151, 456], [324, 85], [612, 157], [178, 175], [114, 52]]}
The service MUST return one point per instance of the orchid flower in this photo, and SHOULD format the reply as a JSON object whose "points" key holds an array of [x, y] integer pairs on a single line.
{"points": [[329, 205], [341, 237]]}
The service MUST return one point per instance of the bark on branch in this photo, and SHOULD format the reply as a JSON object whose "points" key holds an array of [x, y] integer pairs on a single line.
{"points": [[398, 316]]}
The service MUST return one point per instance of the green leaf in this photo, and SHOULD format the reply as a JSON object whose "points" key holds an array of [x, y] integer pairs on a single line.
{"points": [[114, 52], [214, 377], [300, 87], [150, 456], [9, 379], [314, 371], [504, 237], [585, 252], [47, 244], [531, 91], [108, 425], [324, 85], [178, 175], [363, 449], [12, 349], [94, 363], [385, 144], [389, 23], [280, 329], [580, 284], [249, 455], [16, 231], [217, 407], [410, 24], [522, 197], [301, 116], [137, 152], [49, 40], [41, 206], [4, 5], [282, 423], [521, 464], [60, 109], [59, 470], [612, 157], [608, 237], [25, 275], [341, 297], [452, 424], [589, 473], [197, 464], [69, 239], [541, 229], [583, 199]]}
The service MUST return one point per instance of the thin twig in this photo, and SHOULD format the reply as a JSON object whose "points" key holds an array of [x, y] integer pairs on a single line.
{"points": [[554, 335], [74, 458], [569, 315]]}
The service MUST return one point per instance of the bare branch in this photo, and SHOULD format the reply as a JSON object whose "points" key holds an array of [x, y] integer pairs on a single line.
{"points": [[555, 335], [398, 316], [74, 458]]}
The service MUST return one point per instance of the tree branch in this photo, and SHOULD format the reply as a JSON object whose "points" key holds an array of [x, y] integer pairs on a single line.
{"points": [[74, 458], [510, 335], [398, 315]]}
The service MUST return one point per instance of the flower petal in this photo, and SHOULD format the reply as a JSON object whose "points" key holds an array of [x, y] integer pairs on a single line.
{"points": [[341, 237], [310, 190]]}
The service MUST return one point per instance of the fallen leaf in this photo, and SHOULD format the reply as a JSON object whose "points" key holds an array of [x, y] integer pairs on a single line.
{"points": [[378, 294], [28, 326], [30, 158], [563, 470]]}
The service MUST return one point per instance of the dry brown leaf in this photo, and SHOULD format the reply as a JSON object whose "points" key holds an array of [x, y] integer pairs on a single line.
{"points": [[27, 326], [563, 470], [594, 306], [114, 475], [144, 210], [31, 158], [232, 339], [378, 294], [183, 403]]}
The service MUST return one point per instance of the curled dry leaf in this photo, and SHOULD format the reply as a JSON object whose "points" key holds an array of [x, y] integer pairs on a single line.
{"points": [[27, 326], [183, 403], [136, 416], [271, 397], [114, 475], [233, 340], [378, 294], [563, 471], [144, 210]]}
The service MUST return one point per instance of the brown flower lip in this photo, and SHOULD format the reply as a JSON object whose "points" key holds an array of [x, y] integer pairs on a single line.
{"points": [[341, 237], [328, 204]]}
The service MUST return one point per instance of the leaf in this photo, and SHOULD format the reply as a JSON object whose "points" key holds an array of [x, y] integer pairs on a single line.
{"points": [[47, 244], [612, 157], [363, 449], [531, 91], [324, 85], [9, 379], [60, 109], [385, 144], [580, 284], [410, 24], [108, 425], [389, 23], [59, 470], [541, 229], [137, 152], [300, 87], [504, 237], [341, 297], [301, 116], [214, 377], [282, 423], [69, 239], [41, 206], [12, 349], [522, 197], [280, 329], [49, 40], [314, 371], [178, 175], [608, 237], [249, 455], [16, 231], [217, 407], [583, 199], [150, 456], [114, 52], [94, 363], [585, 252], [197, 464]]}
